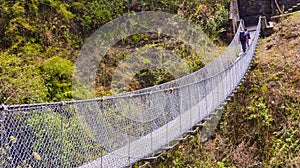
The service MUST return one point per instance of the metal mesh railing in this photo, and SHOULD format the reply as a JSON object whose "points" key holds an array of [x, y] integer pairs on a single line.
{"points": [[119, 130]]}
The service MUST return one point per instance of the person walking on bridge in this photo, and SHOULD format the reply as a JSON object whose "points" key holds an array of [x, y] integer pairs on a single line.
{"points": [[247, 37], [242, 40]]}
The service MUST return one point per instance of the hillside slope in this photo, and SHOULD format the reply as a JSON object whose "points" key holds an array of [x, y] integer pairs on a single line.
{"points": [[260, 125]]}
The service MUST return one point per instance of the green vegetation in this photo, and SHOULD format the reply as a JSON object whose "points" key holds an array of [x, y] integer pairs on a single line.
{"points": [[260, 125], [40, 40], [57, 73]]}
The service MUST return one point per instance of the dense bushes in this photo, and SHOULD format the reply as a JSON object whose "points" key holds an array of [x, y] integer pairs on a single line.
{"points": [[20, 81], [34, 31], [57, 73]]}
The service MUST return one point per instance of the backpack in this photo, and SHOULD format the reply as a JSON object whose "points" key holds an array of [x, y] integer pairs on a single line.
{"points": [[248, 35], [242, 36]]}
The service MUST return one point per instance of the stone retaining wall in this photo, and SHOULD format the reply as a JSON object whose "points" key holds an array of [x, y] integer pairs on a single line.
{"points": [[250, 10], [287, 3]]}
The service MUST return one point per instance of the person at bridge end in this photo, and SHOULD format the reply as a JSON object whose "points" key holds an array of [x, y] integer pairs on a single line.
{"points": [[242, 40]]}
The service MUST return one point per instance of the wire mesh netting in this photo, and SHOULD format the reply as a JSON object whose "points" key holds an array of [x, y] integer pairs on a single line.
{"points": [[119, 130]]}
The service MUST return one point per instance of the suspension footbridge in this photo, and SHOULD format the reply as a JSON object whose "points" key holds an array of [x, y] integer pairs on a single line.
{"points": [[120, 130]]}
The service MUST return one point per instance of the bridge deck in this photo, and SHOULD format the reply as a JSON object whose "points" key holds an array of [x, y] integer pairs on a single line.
{"points": [[252, 31], [162, 135]]}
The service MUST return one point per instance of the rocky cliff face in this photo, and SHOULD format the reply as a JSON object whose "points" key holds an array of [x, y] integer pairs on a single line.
{"points": [[250, 10]]}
